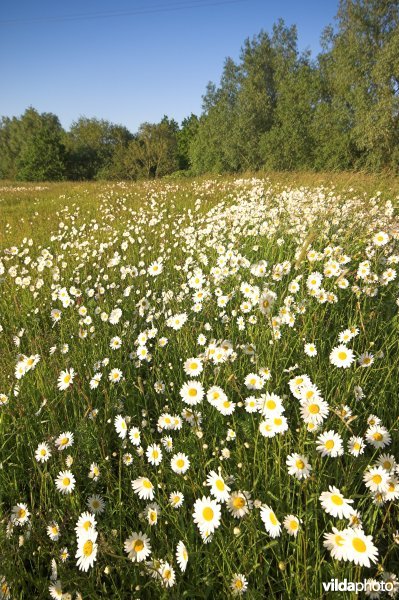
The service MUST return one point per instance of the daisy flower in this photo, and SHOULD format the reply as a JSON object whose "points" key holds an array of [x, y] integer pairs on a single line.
{"points": [[336, 543], [239, 504], [154, 454], [155, 268], [20, 514], [314, 411], [330, 443], [219, 489], [134, 436], [176, 499], [291, 525], [150, 514], [181, 556], [298, 466], [365, 360], [272, 524], [206, 514], [341, 356], [310, 350], [53, 531], [270, 405], [193, 367], [137, 546], [143, 487], [87, 550], [115, 343], [85, 522], [65, 440], [43, 452], [215, 394], [335, 504], [115, 375], [380, 238], [65, 379], [192, 392], [387, 462], [360, 548], [376, 479], [96, 504], [120, 426], [65, 482], [356, 446], [55, 590], [378, 436], [254, 382], [179, 463], [239, 584], [167, 573]]}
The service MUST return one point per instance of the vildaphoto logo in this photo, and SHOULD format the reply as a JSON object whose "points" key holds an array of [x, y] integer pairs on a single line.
{"points": [[335, 585]]}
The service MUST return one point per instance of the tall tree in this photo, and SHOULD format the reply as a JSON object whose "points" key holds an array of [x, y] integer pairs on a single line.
{"points": [[32, 147], [92, 144], [363, 73]]}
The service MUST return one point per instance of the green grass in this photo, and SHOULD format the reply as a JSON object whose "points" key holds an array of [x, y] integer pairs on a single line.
{"points": [[277, 218]]}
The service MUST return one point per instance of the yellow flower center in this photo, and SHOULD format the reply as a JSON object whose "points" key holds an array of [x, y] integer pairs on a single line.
{"points": [[270, 404], [138, 546], [377, 436], [147, 484], [238, 502], [219, 485], [376, 479], [342, 355], [329, 444], [339, 540], [66, 481], [180, 463], [314, 409], [337, 500], [273, 519], [207, 513], [359, 545], [300, 464], [192, 392]]}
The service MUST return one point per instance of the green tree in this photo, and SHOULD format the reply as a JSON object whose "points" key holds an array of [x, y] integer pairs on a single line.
{"points": [[185, 137], [363, 79], [32, 147], [154, 151], [92, 144]]}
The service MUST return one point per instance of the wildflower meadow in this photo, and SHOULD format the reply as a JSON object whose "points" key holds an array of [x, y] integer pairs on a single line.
{"points": [[198, 390]]}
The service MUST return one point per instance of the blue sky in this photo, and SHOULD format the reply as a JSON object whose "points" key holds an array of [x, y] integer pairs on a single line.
{"points": [[132, 67]]}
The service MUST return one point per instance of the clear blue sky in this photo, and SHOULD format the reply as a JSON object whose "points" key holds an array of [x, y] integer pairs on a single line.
{"points": [[132, 67]]}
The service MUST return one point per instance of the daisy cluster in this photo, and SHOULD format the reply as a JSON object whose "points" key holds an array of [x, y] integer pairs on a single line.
{"points": [[197, 393]]}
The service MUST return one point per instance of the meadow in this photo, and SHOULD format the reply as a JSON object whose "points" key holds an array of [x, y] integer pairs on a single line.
{"points": [[199, 387]]}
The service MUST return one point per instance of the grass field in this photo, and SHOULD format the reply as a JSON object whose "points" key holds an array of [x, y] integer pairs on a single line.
{"points": [[199, 387]]}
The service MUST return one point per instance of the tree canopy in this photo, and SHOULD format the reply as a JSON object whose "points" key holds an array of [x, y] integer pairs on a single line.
{"points": [[275, 108]]}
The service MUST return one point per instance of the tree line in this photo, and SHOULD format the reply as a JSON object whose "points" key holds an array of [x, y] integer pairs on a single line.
{"points": [[275, 108]]}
